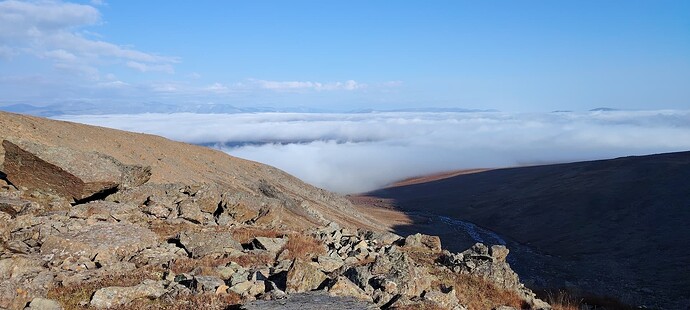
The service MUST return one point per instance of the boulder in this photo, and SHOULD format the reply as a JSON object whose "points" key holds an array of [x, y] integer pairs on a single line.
{"points": [[273, 245], [423, 242], [446, 300], [329, 264], [206, 283], [304, 277], [249, 288], [499, 253], [103, 242], [39, 303], [343, 287], [200, 244], [67, 172], [396, 266], [14, 206], [104, 210], [117, 296], [310, 301]]}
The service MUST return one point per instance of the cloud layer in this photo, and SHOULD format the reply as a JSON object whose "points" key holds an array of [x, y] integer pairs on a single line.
{"points": [[351, 153]]}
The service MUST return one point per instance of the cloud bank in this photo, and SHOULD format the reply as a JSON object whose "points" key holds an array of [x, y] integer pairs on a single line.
{"points": [[352, 153]]}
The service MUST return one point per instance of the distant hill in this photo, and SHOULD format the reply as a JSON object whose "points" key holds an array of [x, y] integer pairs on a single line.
{"points": [[89, 108], [613, 227]]}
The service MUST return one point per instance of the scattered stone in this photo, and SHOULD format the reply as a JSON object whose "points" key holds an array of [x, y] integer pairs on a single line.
{"points": [[102, 242], [13, 206], [425, 242], [39, 303], [499, 253], [117, 296], [273, 245], [329, 264], [304, 277], [200, 244], [206, 283], [344, 287], [310, 301]]}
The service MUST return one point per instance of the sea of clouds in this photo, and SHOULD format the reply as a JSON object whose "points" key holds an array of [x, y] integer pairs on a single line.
{"points": [[358, 152]]}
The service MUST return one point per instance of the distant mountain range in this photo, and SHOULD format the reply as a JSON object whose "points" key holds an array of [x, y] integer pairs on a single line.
{"points": [[86, 108]]}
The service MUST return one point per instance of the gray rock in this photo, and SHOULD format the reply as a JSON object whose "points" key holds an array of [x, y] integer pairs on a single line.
{"points": [[117, 296], [200, 244], [273, 245], [103, 242], [424, 242], [310, 301], [304, 277], [343, 287], [329, 264], [13, 206], [39, 303], [206, 283]]}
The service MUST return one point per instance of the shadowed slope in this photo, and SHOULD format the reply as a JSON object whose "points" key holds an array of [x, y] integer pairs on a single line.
{"points": [[611, 220]]}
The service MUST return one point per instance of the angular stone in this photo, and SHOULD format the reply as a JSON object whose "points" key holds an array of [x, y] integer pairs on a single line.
{"points": [[499, 253], [190, 211], [397, 267], [102, 242], [344, 287], [446, 300], [273, 245], [424, 242], [117, 296], [200, 244], [304, 277], [13, 206], [329, 264], [104, 210], [206, 283], [249, 288], [310, 301], [39, 303], [67, 172]]}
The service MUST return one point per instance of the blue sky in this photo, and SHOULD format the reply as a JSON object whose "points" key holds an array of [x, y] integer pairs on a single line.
{"points": [[506, 55]]}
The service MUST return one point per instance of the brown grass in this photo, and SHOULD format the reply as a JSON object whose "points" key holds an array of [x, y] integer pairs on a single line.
{"points": [[246, 234], [303, 247], [70, 296], [477, 293]]}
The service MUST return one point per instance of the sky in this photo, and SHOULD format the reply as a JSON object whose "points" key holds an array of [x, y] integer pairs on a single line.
{"points": [[514, 56], [354, 153]]}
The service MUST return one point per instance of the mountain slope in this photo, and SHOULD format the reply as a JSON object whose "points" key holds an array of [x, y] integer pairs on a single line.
{"points": [[615, 227], [176, 162]]}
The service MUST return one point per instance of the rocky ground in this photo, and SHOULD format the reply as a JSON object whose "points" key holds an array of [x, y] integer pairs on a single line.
{"points": [[86, 226]]}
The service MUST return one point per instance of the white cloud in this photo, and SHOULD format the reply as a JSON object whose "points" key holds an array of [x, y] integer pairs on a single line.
{"points": [[217, 88], [307, 85], [50, 29], [358, 152]]}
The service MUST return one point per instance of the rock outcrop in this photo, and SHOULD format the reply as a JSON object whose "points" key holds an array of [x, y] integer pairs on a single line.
{"points": [[66, 172]]}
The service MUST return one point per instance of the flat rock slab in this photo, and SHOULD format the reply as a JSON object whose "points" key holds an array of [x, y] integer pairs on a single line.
{"points": [[310, 301], [200, 244], [66, 172], [101, 242]]}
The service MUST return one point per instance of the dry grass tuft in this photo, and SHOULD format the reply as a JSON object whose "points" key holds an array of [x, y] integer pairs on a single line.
{"points": [[303, 247], [246, 234], [477, 293], [70, 296]]}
